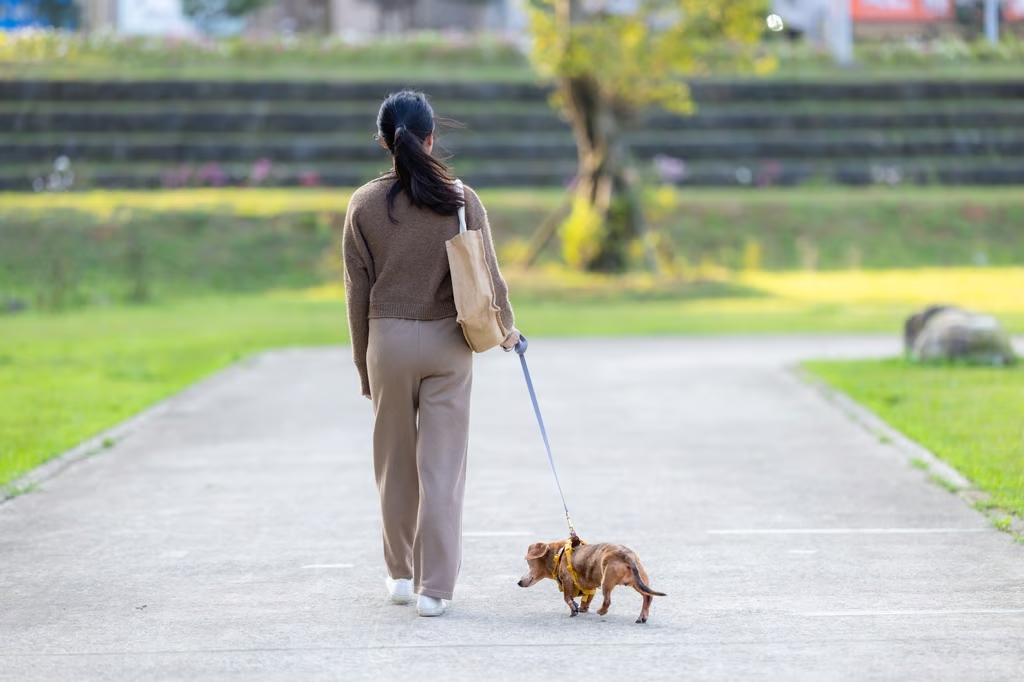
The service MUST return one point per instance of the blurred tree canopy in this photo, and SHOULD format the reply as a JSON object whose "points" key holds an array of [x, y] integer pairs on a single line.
{"points": [[610, 61], [208, 12]]}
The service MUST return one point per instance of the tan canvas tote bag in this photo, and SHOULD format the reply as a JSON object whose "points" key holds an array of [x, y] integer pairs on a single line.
{"points": [[478, 316]]}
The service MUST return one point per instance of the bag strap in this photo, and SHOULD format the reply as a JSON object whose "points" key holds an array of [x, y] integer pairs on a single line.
{"points": [[462, 209]]}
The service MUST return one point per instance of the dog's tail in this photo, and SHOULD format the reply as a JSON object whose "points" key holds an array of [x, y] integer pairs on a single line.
{"points": [[640, 581]]}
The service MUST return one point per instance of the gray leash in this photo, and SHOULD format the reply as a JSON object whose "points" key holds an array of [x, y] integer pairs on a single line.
{"points": [[520, 349]]}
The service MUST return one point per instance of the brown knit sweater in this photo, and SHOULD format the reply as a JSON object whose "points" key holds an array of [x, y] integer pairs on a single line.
{"points": [[401, 269]]}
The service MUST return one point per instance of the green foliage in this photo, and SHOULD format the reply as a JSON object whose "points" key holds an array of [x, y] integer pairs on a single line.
{"points": [[968, 416], [1004, 524], [942, 482], [835, 229], [610, 66], [63, 259], [71, 250], [419, 56], [582, 234], [643, 58], [99, 248]]}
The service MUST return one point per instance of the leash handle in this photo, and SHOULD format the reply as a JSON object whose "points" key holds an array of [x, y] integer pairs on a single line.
{"points": [[520, 349], [521, 345]]}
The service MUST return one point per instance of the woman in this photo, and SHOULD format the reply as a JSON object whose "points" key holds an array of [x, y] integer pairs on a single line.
{"points": [[413, 361]]}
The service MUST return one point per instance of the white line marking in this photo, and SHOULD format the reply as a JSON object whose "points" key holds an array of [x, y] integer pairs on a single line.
{"points": [[919, 612], [329, 566], [844, 531], [497, 534]]}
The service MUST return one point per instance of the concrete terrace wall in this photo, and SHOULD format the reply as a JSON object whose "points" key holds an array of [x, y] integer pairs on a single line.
{"points": [[157, 134]]}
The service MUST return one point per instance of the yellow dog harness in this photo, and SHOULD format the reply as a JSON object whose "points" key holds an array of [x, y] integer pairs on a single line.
{"points": [[567, 552]]}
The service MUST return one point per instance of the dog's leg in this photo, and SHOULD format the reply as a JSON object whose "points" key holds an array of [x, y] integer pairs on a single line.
{"points": [[640, 583], [608, 581], [567, 594], [645, 610], [585, 602], [573, 609]]}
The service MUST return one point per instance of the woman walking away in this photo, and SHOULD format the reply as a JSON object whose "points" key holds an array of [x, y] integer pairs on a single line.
{"points": [[413, 360]]}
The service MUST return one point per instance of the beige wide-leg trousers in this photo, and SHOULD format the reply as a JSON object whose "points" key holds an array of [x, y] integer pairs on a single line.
{"points": [[421, 375]]}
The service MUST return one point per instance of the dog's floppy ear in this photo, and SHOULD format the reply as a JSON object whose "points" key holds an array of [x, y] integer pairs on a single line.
{"points": [[537, 550]]}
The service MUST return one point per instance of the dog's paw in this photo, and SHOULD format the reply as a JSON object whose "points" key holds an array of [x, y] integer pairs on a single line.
{"points": [[574, 610], [642, 619]]}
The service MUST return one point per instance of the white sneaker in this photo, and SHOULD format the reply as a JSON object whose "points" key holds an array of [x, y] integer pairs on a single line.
{"points": [[401, 590], [431, 606]]}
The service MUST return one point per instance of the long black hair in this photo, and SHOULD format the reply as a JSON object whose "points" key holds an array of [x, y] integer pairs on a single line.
{"points": [[404, 121]]}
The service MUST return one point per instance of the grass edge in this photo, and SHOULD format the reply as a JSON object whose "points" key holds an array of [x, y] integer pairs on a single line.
{"points": [[107, 439], [937, 471]]}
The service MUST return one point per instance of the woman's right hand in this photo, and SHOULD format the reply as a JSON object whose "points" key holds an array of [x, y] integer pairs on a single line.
{"points": [[511, 340]]}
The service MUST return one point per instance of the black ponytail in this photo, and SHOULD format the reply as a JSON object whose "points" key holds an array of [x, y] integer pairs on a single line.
{"points": [[404, 121]]}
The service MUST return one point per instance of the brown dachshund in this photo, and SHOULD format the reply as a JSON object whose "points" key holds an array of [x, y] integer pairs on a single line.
{"points": [[580, 571]]}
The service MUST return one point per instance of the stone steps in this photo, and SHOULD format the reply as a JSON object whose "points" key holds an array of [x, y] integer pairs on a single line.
{"points": [[543, 120], [138, 134], [703, 91], [752, 172], [459, 108], [1005, 143]]}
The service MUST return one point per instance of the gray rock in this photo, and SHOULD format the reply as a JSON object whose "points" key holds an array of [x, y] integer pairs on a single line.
{"points": [[949, 333]]}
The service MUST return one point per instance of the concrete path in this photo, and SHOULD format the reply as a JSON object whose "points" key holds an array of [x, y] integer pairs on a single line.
{"points": [[235, 535]]}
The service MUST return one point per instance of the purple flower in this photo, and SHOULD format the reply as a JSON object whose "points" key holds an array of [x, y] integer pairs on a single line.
{"points": [[670, 169], [211, 174], [770, 172], [260, 171], [177, 177]]}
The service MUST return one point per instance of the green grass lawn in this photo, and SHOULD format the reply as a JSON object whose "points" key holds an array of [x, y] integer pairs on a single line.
{"points": [[67, 376], [67, 250], [972, 417], [231, 272]]}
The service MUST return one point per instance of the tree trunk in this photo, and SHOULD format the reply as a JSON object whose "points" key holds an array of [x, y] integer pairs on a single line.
{"points": [[603, 181]]}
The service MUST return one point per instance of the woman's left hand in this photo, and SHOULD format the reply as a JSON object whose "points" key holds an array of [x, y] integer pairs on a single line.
{"points": [[511, 340]]}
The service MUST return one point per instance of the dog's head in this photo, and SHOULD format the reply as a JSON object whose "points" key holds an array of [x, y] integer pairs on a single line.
{"points": [[540, 557]]}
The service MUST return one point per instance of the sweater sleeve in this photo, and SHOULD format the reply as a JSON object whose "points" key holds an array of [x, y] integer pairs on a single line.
{"points": [[357, 294], [476, 219]]}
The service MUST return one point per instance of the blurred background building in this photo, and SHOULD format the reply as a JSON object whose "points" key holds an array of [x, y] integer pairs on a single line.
{"points": [[803, 18], [343, 17]]}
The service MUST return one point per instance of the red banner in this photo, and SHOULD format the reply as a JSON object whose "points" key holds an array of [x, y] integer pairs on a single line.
{"points": [[911, 11]]}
